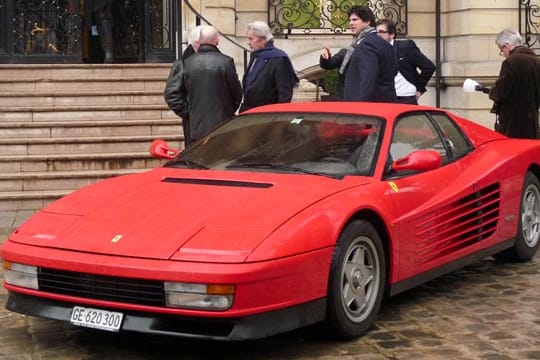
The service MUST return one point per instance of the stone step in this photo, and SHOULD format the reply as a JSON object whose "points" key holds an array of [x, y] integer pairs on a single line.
{"points": [[82, 145], [78, 162], [29, 200], [61, 129], [64, 126], [104, 98], [71, 71], [81, 85], [27, 114], [60, 180]]}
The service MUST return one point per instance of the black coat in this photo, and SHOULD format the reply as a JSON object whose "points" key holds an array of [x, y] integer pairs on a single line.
{"points": [[212, 88], [409, 60], [517, 94], [370, 73], [274, 83], [174, 93]]}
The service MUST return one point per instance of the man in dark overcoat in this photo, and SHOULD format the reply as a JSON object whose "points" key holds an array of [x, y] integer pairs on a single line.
{"points": [[211, 85], [369, 65], [270, 78], [516, 94]]}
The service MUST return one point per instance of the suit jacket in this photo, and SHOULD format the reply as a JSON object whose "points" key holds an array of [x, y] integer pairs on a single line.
{"points": [[409, 60], [370, 73]]}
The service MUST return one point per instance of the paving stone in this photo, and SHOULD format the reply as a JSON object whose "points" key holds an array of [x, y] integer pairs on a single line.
{"points": [[488, 311]]}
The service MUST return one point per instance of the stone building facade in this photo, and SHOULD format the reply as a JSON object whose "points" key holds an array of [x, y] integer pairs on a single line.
{"points": [[467, 49]]}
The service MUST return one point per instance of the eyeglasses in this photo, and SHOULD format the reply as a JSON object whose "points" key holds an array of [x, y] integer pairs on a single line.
{"points": [[501, 52], [382, 31]]}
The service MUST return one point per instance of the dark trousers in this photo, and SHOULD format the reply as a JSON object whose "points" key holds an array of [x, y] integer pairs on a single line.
{"points": [[407, 100]]}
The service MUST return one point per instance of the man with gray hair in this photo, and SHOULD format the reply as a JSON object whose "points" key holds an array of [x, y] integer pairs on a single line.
{"points": [[270, 77], [516, 94], [211, 86]]}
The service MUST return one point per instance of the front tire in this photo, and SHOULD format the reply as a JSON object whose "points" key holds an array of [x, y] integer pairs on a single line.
{"points": [[528, 232], [357, 280]]}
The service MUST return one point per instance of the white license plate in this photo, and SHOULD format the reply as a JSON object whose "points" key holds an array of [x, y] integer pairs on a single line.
{"points": [[96, 318]]}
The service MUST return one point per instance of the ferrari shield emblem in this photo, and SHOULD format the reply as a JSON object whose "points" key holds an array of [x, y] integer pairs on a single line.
{"points": [[116, 238]]}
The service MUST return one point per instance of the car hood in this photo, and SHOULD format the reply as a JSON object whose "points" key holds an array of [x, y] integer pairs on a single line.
{"points": [[194, 215]]}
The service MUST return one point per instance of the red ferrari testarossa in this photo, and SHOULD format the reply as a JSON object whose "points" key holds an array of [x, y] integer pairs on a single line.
{"points": [[285, 216]]}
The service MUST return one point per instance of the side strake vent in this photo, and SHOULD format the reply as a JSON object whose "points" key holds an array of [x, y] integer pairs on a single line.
{"points": [[217, 182], [463, 223]]}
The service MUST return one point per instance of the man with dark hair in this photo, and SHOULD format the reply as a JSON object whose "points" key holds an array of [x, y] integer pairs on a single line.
{"points": [[516, 94], [369, 64], [409, 82]]}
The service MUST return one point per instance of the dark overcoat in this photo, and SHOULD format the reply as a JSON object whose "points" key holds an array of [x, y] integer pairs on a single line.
{"points": [[370, 72], [212, 88], [516, 94]]}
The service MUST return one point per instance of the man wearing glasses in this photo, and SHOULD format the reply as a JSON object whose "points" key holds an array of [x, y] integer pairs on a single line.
{"points": [[516, 94], [414, 68]]}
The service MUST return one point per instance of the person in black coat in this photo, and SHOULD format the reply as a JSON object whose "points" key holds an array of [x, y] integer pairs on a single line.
{"points": [[270, 77], [414, 68], [174, 91], [211, 86], [369, 65], [516, 93]]}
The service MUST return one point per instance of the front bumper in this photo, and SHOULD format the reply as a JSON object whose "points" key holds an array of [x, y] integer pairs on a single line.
{"points": [[240, 328]]}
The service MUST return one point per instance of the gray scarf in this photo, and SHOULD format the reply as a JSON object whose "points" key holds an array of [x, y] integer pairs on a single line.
{"points": [[357, 40]]}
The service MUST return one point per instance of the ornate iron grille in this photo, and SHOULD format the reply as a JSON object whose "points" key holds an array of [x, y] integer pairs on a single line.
{"points": [[529, 23], [46, 27], [329, 16], [160, 16]]}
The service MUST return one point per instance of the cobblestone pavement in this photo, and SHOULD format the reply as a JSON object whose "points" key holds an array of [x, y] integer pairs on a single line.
{"points": [[487, 311]]}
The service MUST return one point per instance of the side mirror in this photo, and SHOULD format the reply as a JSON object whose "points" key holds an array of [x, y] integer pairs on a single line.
{"points": [[420, 160], [160, 149]]}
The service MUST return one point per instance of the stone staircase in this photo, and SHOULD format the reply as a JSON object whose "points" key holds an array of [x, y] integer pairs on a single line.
{"points": [[66, 126]]}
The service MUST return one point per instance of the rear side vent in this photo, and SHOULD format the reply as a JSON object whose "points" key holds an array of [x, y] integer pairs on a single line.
{"points": [[465, 222], [211, 182]]}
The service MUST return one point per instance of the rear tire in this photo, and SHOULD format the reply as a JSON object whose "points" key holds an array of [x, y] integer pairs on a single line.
{"points": [[528, 231], [357, 280]]}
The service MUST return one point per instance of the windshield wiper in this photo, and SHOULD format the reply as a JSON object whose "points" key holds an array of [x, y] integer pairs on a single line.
{"points": [[190, 163], [262, 165]]}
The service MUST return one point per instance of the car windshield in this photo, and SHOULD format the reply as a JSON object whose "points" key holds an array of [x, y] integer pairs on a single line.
{"points": [[311, 143]]}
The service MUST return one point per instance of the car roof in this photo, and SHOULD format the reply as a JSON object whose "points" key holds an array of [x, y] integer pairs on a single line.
{"points": [[385, 110]]}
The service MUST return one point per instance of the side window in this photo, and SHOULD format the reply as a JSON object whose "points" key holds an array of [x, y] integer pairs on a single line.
{"points": [[455, 140], [415, 132]]}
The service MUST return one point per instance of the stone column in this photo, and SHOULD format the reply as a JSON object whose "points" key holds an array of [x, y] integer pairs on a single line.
{"points": [[469, 29]]}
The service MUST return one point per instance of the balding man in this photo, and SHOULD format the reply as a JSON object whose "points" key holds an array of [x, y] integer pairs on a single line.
{"points": [[212, 88]]}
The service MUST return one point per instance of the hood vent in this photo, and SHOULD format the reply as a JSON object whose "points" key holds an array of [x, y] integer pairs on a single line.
{"points": [[211, 182], [463, 223]]}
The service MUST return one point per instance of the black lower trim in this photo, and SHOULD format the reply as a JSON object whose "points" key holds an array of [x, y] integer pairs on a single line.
{"points": [[452, 266], [244, 328]]}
